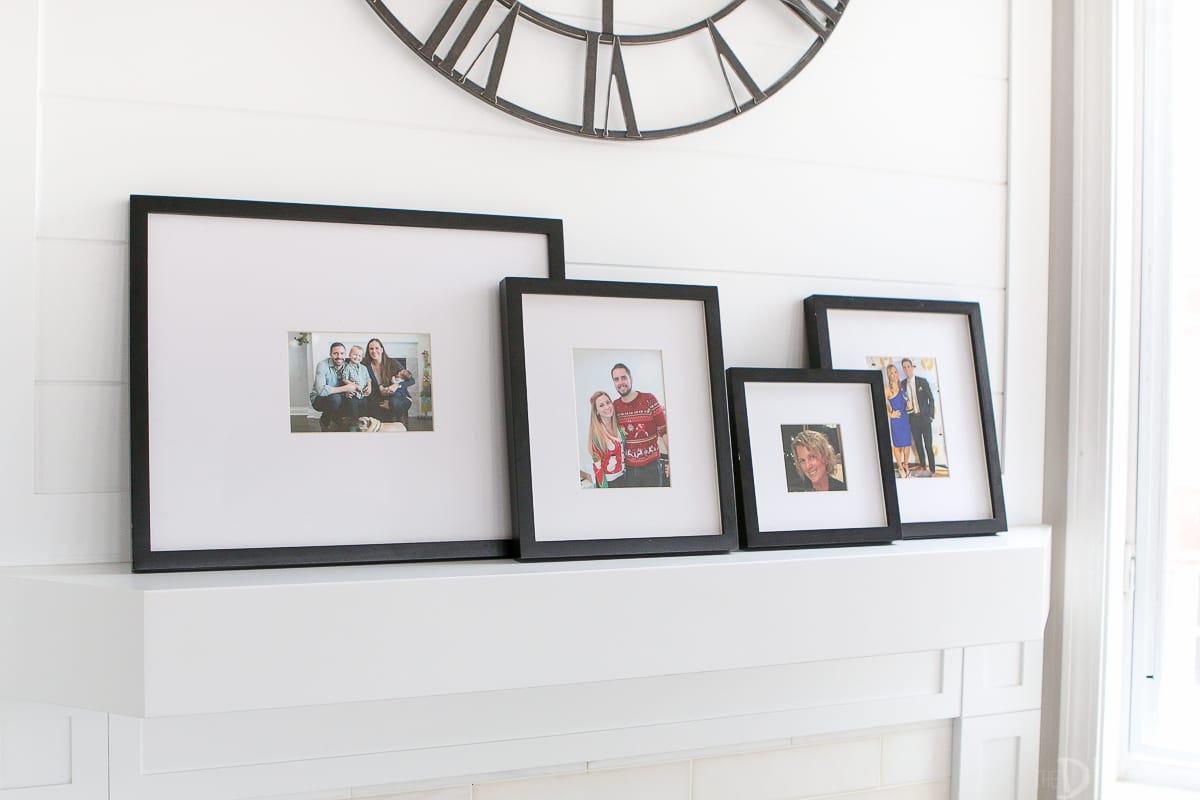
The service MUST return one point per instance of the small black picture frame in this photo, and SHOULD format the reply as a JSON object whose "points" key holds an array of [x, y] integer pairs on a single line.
{"points": [[617, 417], [931, 357], [813, 462], [235, 306]]}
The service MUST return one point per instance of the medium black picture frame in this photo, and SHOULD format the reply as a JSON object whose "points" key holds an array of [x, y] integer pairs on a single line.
{"points": [[553, 334], [191, 252], [847, 332], [843, 414]]}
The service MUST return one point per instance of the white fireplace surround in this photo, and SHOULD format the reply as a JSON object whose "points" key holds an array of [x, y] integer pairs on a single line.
{"points": [[229, 685]]}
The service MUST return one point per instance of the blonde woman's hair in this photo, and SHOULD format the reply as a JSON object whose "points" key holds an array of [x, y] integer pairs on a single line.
{"points": [[888, 383], [598, 433], [814, 442]]}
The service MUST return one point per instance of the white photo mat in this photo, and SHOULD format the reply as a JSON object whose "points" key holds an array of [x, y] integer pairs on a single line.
{"points": [[225, 470], [855, 335]]}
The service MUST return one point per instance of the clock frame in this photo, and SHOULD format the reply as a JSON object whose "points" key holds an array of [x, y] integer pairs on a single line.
{"points": [[447, 47]]}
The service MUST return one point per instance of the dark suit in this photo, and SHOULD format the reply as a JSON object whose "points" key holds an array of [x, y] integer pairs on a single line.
{"points": [[921, 422]]}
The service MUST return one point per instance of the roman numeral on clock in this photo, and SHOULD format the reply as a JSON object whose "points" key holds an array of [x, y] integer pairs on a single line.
{"points": [[725, 55], [502, 35], [616, 75], [804, 9]]}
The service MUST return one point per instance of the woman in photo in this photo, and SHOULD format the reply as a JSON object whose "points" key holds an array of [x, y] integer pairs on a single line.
{"points": [[898, 418], [815, 461], [607, 442], [390, 400]]}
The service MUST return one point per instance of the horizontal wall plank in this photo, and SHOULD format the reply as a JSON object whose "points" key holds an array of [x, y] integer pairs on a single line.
{"points": [[87, 528], [80, 528], [82, 312], [82, 438], [648, 205], [864, 101], [19, 63], [762, 314]]}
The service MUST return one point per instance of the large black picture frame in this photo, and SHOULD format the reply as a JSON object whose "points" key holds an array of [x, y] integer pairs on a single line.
{"points": [[963, 496], [560, 338], [205, 273], [778, 508]]}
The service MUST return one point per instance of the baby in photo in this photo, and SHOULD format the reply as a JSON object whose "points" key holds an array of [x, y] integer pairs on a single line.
{"points": [[354, 371]]}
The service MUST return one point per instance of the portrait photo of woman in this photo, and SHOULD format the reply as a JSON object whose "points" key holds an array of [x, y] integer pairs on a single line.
{"points": [[811, 462]]}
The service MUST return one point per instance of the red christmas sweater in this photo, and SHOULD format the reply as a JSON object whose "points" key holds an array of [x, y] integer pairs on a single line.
{"points": [[643, 421]]}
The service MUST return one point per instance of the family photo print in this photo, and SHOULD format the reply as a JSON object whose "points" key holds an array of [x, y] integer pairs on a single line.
{"points": [[359, 382]]}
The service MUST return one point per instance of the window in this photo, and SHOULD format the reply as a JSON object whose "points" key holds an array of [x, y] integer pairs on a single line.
{"points": [[1164, 703]]}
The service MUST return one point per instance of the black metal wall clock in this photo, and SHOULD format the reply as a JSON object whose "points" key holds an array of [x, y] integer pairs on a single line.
{"points": [[639, 70]]}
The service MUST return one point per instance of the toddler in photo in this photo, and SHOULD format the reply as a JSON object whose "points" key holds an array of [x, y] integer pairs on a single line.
{"points": [[354, 371]]}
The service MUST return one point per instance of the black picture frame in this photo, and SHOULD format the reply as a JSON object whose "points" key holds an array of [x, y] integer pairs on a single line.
{"points": [[845, 408], [543, 522], [973, 506], [163, 537]]}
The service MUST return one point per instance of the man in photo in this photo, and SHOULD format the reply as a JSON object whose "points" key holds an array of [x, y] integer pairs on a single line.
{"points": [[920, 407], [332, 396], [644, 422]]}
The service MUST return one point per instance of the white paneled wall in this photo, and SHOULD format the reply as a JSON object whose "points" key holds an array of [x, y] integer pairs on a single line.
{"points": [[907, 160], [883, 170]]}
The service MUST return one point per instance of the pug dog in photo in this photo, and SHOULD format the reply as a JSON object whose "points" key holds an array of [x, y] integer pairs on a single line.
{"points": [[372, 425]]}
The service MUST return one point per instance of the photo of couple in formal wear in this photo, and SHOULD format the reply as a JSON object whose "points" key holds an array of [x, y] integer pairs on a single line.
{"points": [[622, 419], [812, 458], [356, 382], [913, 398]]}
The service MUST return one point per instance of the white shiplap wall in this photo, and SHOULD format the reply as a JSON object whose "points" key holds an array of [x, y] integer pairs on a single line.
{"points": [[883, 169], [907, 160]]}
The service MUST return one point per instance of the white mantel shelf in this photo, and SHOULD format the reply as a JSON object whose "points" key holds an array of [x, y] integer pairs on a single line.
{"points": [[99, 637]]}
